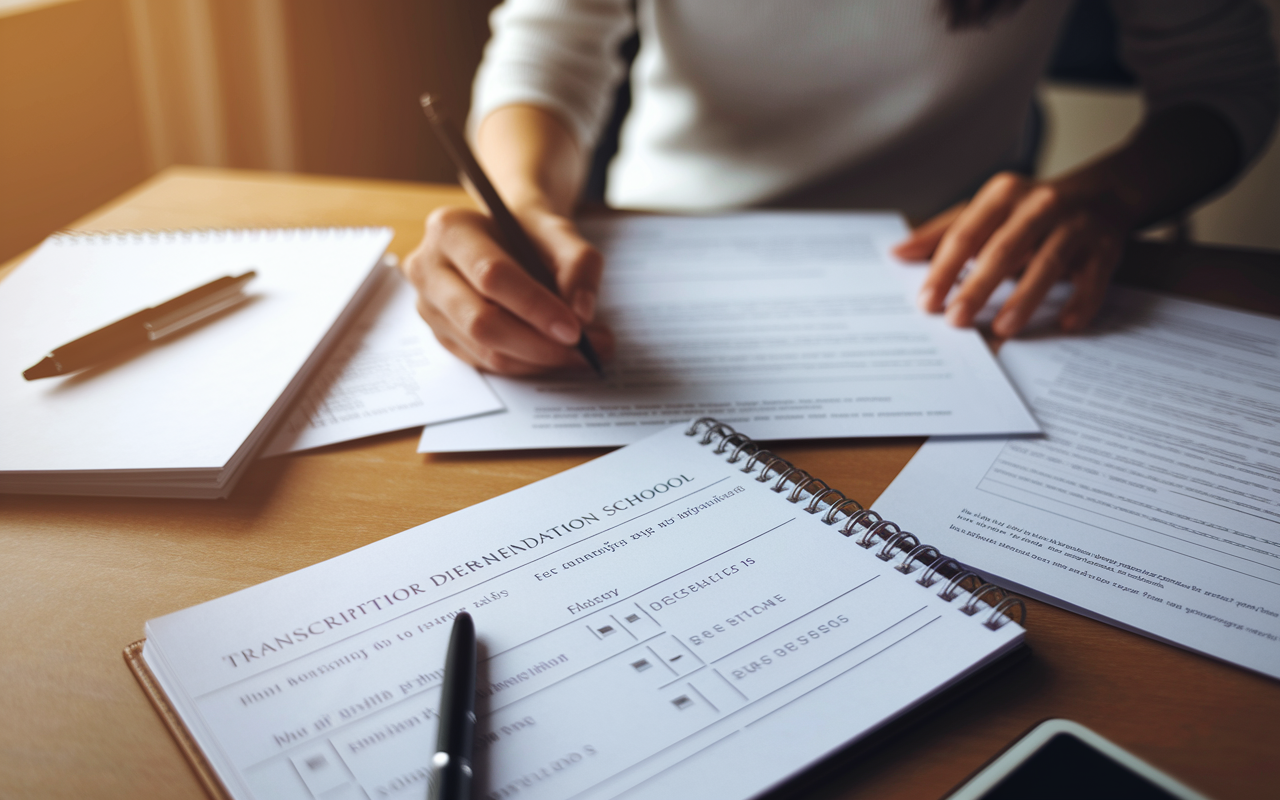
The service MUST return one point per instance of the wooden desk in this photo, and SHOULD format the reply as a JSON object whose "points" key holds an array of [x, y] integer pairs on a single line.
{"points": [[81, 575]]}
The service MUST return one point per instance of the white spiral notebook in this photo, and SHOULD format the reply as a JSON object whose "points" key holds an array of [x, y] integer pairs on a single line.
{"points": [[689, 616], [184, 417]]}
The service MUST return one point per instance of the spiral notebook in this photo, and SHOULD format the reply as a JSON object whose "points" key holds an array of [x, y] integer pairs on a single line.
{"points": [[689, 616], [184, 417]]}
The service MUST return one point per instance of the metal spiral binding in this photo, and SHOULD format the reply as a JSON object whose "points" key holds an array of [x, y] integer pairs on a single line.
{"points": [[866, 527]]}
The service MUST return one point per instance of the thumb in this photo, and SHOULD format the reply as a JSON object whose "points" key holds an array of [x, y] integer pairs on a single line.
{"points": [[576, 263]]}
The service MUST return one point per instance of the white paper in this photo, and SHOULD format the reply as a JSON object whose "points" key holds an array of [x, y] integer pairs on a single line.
{"points": [[796, 325], [655, 620], [171, 418], [388, 374], [1154, 500]]}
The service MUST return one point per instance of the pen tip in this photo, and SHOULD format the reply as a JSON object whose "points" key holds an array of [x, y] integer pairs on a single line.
{"points": [[588, 354], [47, 368]]}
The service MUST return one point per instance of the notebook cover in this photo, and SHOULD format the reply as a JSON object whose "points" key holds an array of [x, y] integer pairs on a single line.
{"points": [[186, 743]]}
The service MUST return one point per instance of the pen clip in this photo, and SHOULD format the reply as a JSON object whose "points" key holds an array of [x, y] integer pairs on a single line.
{"points": [[188, 315]]}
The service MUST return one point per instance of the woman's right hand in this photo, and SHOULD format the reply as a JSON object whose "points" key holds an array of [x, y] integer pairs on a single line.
{"points": [[485, 309]]}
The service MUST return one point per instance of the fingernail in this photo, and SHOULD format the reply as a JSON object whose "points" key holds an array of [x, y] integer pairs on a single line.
{"points": [[959, 313], [584, 305], [1005, 324], [911, 250], [928, 298], [564, 333]]}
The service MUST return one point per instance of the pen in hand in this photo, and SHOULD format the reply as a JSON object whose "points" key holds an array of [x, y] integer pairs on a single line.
{"points": [[451, 764], [514, 238]]}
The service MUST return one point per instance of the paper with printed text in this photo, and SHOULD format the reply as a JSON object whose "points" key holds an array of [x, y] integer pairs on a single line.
{"points": [[1153, 501], [794, 325], [655, 623]]}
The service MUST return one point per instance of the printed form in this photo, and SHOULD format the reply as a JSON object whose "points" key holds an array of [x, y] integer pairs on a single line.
{"points": [[1153, 501], [796, 325], [389, 373], [654, 623]]}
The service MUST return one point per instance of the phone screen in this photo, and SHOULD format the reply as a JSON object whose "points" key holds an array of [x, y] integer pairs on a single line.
{"points": [[1066, 768]]}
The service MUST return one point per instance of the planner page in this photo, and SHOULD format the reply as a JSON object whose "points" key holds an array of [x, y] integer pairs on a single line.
{"points": [[1153, 500], [655, 623], [798, 325], [387, 374]]}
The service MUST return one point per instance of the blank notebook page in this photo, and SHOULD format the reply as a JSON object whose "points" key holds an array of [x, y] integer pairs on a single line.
{"points": [[185, 403]]}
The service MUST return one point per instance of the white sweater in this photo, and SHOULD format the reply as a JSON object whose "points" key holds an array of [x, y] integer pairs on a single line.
{"points": [[742, 102]]}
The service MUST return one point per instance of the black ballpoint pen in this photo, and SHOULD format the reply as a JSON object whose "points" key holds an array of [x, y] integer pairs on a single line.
{"points": [[143, 327], [513, 236], [451, 764]]}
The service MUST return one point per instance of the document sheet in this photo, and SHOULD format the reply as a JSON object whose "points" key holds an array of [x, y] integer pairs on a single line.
{"points": [[798, 325], [388, 373], [655, 623], [1153, 501]]}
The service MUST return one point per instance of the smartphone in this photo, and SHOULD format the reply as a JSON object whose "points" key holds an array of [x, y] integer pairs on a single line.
{"points": [[1063, 760]]}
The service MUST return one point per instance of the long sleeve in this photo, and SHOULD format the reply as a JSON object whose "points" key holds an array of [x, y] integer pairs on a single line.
{"points": [[1216, 53], [561, 55], [738, 103]]}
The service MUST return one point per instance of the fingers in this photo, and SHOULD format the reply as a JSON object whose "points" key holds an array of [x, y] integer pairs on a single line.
{"points": [[489, 333], [966, 236], [1010, 248], [578, 265], [485, 309], [924, 240], [466, 242], [1016, 225], [1079, 248], [1056, 257]]}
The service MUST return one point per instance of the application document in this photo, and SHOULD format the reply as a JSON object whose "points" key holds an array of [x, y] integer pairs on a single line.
{"points": [[1153, 500], [797, 325], [388, 373], [655, 623]]}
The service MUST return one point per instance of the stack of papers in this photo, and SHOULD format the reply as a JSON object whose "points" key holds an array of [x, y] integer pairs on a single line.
{"points": [[389, 373], [181, 418], [796, 325]]}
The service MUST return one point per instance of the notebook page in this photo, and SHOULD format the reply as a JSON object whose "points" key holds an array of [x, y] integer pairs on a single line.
{"points": [[189, 402], [653, 619], [798, 325], [1153, 501]]}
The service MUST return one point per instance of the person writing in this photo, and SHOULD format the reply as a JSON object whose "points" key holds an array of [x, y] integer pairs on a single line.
{"points": [[917, 105]]}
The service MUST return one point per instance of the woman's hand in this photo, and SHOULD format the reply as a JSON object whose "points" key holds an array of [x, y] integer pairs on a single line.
{"points": [[1016, 226], [485, 309]]}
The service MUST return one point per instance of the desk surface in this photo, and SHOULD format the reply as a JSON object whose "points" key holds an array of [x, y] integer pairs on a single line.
{"points": [[81, 575]]}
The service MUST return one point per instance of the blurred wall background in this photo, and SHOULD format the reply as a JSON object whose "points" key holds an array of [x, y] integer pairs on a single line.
{"points": [[97, 95], [1084, 121]]}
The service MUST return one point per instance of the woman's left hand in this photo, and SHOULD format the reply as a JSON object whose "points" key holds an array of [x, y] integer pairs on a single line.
{"points": [[1017, 226]]}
